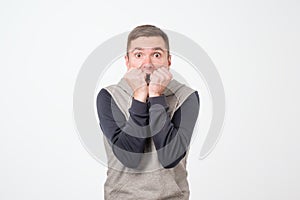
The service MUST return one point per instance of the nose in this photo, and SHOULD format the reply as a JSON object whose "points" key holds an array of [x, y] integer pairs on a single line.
{"points": [[147, 64], [147, 60]]}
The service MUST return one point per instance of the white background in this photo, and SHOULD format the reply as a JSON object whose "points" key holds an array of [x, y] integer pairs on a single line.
{"points": [[254, 45]]}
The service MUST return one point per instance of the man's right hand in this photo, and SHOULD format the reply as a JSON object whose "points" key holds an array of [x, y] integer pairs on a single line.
{"points": [[136, 80]]}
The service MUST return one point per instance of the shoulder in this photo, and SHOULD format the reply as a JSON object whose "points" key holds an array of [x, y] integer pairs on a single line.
{"points": [[193, 98], [183, 92], [103, 96]]}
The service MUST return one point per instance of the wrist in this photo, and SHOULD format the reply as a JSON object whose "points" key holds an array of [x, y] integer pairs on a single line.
{"points": [[141, 94], [154, 94], [140, 97]]}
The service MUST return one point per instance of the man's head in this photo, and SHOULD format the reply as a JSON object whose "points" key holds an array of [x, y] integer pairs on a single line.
{"points": [[147, 48]]}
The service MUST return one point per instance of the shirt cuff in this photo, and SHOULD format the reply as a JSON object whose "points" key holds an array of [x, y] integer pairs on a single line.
{"points": [[161, 100], [138, 107]]}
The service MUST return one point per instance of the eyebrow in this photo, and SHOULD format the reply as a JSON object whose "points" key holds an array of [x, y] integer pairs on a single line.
{"points": [[154, 48]]}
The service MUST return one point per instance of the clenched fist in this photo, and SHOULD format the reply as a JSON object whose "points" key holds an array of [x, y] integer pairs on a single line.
{"points": [[159, 79], [136, 80]]}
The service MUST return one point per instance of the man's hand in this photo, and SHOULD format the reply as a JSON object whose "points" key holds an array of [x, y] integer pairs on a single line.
{"points": [[160, 78], [136, 80]]}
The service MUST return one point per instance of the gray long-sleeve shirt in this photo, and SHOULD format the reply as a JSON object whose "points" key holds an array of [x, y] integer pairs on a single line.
{"points": [[171, 137]]}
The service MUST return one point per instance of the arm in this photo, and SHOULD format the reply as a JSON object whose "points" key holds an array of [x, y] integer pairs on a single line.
{"points": [[128, 148], [173, 137]]}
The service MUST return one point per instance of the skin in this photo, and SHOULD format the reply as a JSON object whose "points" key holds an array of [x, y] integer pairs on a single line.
{"points": [[147, 55]]}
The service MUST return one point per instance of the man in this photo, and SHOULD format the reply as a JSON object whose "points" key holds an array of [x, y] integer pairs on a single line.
{"points": [[147, 120]]}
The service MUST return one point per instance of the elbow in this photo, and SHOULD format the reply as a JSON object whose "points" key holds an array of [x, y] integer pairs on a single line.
{"points": [[171, 165], [170, 162]]}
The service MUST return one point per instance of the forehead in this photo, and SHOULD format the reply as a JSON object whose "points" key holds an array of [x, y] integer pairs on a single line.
{"points": [[147, 42]]}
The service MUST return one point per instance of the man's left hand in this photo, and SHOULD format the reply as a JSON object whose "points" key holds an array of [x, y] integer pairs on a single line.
{"points": [[160, 78]]}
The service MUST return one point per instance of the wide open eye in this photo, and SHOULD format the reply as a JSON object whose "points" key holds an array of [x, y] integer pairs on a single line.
{"points": [[138, 55], [157, 55]]}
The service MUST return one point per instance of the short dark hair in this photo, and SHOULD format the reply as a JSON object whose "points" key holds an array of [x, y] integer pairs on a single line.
{"points": [[147, 31]]}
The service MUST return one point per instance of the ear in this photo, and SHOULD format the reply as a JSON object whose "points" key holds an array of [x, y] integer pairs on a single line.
{"points": [[127, 61], [169, 61]]}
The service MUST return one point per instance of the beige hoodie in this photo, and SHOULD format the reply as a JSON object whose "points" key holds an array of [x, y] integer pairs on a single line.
{"points": [[149, 181]]}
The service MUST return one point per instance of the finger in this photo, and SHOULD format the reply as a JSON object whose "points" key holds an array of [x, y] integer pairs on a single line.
{"points": [[154, 77], [166, 69], [167, 73], [163, 72], [135, 72], [159, 77], [163, 66], [131, 73]]}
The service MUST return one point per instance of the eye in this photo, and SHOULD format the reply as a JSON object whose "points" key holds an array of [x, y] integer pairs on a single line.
{"points": [[157, 55], [138, 55]]}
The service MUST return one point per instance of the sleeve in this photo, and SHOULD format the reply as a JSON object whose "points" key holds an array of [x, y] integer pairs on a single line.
{"points": [[127, 137], [172, 136]]}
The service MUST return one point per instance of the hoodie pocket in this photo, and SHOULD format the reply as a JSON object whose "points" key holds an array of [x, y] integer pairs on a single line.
{"points": [[148, 186]]}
